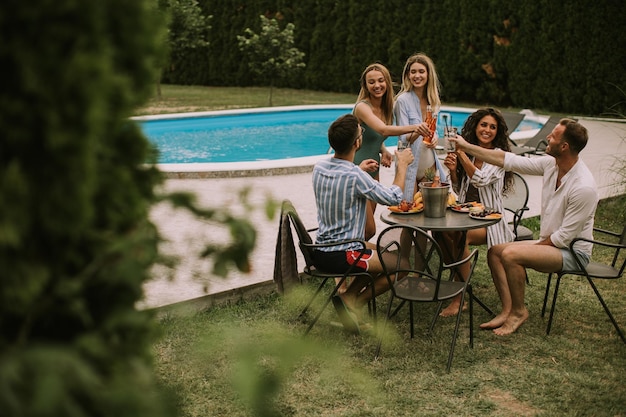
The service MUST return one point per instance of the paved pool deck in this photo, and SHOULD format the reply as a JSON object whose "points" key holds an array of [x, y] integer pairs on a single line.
{"points": [[191, 285]]}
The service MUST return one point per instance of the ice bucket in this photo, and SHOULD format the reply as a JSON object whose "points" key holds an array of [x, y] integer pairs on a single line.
{"points": [[435, 199]]}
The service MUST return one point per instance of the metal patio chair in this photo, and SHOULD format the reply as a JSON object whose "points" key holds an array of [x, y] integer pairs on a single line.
{"points": [[306, 245], [516, 202], [417, 274], [612, 270]]}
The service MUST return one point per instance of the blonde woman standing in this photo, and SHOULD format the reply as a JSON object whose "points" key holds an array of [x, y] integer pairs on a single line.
{"points": [[420, 90]]}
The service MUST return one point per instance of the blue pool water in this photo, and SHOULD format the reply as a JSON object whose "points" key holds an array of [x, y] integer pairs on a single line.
{"points": [[260, 135]]}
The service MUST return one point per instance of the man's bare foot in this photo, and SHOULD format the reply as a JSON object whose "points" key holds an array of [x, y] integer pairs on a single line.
{"points": [[496, 322], [512, 323], [452, 309], [350, 301], [343, 287]]}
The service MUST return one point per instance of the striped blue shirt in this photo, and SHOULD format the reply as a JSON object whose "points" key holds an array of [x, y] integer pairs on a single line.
{"points": [[341, 193]]}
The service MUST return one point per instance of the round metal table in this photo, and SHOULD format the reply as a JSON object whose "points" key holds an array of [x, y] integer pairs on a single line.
{"points": [[453, 221]]}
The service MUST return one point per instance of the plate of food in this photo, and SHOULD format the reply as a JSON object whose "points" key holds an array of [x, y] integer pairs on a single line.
{"points": [[464, 207], [485, 214], [407, 208]]}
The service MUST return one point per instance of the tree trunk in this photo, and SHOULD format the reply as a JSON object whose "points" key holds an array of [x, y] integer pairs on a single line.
{"points": [[158, 85], [271, 89]]}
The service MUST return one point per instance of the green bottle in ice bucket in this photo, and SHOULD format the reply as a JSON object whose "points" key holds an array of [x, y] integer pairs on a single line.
{"points": [[434, 194]]}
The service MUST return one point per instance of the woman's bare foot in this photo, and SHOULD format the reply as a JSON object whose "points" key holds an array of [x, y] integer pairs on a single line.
{"points": [[423, 288], [512, 323], [452, 309], [496, 322]]}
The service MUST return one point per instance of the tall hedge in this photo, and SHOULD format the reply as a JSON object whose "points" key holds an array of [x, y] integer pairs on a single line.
{"points": [[552, 56], [75, 241]]}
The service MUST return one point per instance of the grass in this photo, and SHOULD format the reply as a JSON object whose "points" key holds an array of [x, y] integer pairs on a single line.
{"points": [[250, 358], [179, 99], [236, 359]]}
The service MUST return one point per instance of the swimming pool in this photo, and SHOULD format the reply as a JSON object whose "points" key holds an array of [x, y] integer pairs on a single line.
{"points": [[262, 136], [243, 136]]}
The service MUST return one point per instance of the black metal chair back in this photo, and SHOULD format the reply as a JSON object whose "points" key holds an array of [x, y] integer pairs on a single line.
{"points": [[516, 202], [306, 245], [413, 262]]}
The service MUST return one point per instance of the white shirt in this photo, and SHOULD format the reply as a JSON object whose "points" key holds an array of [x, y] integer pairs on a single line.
{"points": [[489, 181], [407, 111], [568, 211]]}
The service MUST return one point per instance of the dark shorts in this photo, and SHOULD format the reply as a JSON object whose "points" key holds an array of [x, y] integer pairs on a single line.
{"points": [[340, 261]]}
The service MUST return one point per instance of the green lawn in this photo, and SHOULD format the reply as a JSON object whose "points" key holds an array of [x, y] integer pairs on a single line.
{"points": [[179, 99], [250, 358], [252, 354]]}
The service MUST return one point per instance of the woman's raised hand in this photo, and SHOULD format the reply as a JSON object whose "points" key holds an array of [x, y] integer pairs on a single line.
{"points": [[385, 157], [450, 161]]}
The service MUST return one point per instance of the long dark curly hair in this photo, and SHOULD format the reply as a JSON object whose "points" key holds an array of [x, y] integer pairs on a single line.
{"points": [[500, 141]]}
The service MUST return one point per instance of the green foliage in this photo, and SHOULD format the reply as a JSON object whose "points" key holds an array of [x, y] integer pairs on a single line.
{"points": [[188, 30], [536, 54], [271, 53], [76, 245]]}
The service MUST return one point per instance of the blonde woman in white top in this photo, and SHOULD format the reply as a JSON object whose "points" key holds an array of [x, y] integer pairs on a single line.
{"points": [[420, 90]]}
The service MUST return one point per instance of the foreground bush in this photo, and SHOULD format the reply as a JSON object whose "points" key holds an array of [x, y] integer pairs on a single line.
{"points": [[75, 242]]}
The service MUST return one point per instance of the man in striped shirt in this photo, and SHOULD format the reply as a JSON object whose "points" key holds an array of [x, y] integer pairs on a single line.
{"points": [[341, 193]]}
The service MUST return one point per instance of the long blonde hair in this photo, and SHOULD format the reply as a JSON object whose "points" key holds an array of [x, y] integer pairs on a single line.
{"points": [[432, 84], [387, 100]]}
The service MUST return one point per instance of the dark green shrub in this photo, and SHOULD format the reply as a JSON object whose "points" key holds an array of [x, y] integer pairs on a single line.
{"points": [[75, 241], [536, 54]]}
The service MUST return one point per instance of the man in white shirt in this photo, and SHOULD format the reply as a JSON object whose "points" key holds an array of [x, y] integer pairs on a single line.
{"points": [[569, 198]]}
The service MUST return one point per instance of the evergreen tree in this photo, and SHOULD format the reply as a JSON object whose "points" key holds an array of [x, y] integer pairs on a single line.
{"points": [[188, 30]]}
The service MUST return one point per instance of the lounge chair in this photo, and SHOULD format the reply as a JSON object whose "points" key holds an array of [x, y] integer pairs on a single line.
{"points": [[512, 120], [537, 144]]}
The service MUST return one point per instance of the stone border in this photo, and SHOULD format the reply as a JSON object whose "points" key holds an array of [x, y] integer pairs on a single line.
{"points": [[205, 302], [263, 172]]}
